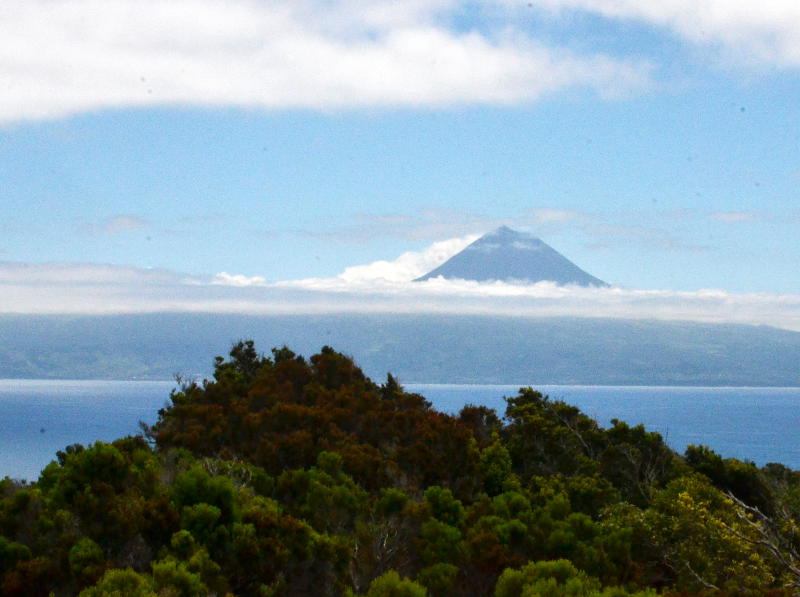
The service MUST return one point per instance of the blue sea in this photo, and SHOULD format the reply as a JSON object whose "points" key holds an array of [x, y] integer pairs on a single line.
{"points": [[39, 417]]}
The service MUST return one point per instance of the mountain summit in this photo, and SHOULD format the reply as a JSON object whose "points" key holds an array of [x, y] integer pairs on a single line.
{"points": [[508, 255]]}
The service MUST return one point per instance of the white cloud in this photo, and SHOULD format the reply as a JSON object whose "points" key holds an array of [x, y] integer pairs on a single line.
{"points": [[409, 265], [226, 279], [748, 30], [106, 289], [61, 58]]}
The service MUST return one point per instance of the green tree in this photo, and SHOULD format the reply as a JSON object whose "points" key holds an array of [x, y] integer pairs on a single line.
{"points": [[11, 553], [556, 578], [703, 540], [86, 561], [174, 578], [121, 583], [243, 365], [439, 579], [444, 506], [496, 468], [391, 585]]}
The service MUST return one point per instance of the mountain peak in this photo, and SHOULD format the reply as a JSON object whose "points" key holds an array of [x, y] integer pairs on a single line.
{"points": [[512, 256], [506, 232]]}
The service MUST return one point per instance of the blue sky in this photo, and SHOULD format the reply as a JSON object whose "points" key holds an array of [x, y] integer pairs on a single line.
{"points": [[656, 144]]}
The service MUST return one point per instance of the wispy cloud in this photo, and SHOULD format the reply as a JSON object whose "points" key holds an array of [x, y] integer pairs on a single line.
{"points": [[116, 224], [435, 224], [85, 274], [61, 58], [642, 236], [654, 231]]}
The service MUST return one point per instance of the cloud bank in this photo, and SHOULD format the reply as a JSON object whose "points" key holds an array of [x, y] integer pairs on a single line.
{"points": [[106, 289], [62, 58]]}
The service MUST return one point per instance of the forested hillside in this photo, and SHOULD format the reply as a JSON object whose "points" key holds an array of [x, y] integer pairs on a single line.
{"points": [[290, 476]]}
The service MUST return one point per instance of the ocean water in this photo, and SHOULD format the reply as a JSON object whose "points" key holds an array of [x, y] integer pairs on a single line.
{"points": [[39, 417], [758, 424]]}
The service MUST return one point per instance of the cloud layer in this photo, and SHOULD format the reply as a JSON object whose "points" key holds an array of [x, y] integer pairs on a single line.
{"points": [[60, 58], [106, 289]]}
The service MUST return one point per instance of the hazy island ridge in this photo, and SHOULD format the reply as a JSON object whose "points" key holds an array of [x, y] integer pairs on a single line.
{"points": [[432, 348]]}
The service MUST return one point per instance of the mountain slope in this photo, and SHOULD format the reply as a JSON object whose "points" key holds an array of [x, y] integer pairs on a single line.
{"points": [[508, 255], [417, 348]]}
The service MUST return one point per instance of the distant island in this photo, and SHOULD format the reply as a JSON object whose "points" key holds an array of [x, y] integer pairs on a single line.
{"points": [[289, 476], [511, 256], [427, 348]]}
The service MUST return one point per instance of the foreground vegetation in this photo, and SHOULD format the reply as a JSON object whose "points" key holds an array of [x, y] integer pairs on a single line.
{"points": [[287, 476]]}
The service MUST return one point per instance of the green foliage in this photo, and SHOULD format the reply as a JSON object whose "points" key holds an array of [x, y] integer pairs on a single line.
{"points": [[121, 583], [637, 461], [548, 437], [185, 550], [702, 538], [11, 553], [439, 579], [293, 476], [323, 495], [545, 437], [201, 521], [547, 578], [742, 479], [196, 486], [483, 422], [444, 506], [86, 561], [496, 468], [558, 578], [439, 542], [391, 585], [391, 501], [174, 578], [243, 366]]}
